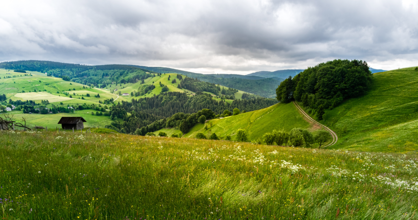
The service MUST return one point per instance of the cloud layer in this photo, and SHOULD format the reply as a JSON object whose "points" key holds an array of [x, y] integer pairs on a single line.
{"points": [[211, 36]]}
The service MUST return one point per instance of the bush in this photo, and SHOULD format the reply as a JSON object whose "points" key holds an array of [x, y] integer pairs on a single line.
{"points": [[227, 113], [236, 111], [162, 134], [200, 136], [214, 137], [228, 138], [202, 119], [296, 138], [175, 135], [281, 137], [321, 137], [242, 135], [268, 138], [150, 134]]}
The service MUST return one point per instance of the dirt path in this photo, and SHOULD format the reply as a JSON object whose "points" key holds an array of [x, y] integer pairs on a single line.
{"points": [[333, 134], [116, 98]]}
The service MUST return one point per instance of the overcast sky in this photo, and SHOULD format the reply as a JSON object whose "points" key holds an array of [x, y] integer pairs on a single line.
{"points": [[211, 36]]}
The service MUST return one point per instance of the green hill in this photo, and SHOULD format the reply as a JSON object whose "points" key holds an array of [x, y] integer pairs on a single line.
{"points": [[385, 119], [256, 123]]}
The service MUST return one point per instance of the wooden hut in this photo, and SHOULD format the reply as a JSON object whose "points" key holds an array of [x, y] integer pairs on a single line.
{"points": [[72, 122]]}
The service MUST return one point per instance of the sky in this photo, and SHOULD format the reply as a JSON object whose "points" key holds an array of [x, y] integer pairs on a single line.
{"points": [[211, 36]]}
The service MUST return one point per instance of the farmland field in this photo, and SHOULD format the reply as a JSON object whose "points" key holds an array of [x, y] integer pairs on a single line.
{"points": [[54, 175], [40, 96]]}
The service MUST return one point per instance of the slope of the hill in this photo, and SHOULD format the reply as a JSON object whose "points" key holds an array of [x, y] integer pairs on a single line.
{"points": [[256, 123], [385, 119]]}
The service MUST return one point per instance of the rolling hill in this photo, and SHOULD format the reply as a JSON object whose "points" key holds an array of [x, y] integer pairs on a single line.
{"points": [[385, 119], [256, 123]]}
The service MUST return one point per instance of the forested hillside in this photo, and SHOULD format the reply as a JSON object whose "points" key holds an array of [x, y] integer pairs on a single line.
{"points": [[143, 112], [252, 84]]}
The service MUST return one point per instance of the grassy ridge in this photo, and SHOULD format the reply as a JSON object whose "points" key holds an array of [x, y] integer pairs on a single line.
{"points": [[386, 119], [73, 175], [256, 123]]}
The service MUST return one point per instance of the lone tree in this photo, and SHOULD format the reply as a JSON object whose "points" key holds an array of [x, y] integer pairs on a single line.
{"points": [[242, 135], [321, 138], [236, 111], [202, 119]]}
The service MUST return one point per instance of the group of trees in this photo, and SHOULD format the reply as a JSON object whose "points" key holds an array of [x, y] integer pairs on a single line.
{"points": [[297, 137], [3, 98], [153, 113], [196, 85], [326, 85]]}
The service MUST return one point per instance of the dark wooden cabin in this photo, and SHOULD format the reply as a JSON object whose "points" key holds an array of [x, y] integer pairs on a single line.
{"points": [[72, 122]]}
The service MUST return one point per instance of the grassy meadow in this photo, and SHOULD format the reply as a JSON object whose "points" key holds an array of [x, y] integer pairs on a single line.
{"points": [[384, 120], [41, 87], [51, 120], [256, 123], [57, 175]]}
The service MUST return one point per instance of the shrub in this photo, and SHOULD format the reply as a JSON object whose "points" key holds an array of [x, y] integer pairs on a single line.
{"points": [[200, 136], [236, 111], [268, 138], [175, 135], [228, 138], [150, 134], [227, 113], [162, 134], [242, 135], [281, 137], [321, 137], [296, 138], [214, 137], [202, 119]]}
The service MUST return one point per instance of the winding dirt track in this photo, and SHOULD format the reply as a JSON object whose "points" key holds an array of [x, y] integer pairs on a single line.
{"points": [[333, 134]]}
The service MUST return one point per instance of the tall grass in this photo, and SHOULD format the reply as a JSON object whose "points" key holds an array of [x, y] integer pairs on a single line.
{"points": [[54, 175]]}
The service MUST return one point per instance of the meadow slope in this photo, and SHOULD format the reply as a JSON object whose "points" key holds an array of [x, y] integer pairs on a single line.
{"points": [[256, 123], [54, 175], [384, 120]]}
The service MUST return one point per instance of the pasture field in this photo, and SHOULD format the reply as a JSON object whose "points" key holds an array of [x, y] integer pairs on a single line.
{"points": [[35, 96], [384, 120], [51, 120], [65, 175], [41, 87], [256, 123]]}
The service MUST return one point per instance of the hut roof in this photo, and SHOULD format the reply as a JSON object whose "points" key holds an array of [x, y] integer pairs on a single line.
{"points": [[71, 120]]}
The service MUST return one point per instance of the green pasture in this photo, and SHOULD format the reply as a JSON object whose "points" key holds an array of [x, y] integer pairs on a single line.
{"points": [[51, 120], [82, 175], [256, 123], [385, 119], [49, 88]]}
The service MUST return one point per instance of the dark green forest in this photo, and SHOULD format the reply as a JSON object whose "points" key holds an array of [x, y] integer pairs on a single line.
{"points": [[144, 111], [326, 85]]}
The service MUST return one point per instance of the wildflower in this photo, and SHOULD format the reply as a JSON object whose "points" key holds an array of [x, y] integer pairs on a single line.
{"points": [[39, 171]]}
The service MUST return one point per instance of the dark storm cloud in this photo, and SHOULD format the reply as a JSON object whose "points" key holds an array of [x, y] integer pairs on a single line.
{"points": [[211, 35]]}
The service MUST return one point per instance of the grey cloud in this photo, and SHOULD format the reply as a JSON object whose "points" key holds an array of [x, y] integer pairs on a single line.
{"points": [[210, 35]]}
